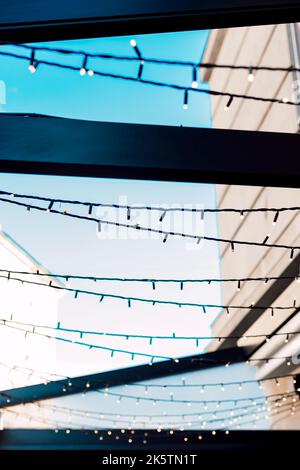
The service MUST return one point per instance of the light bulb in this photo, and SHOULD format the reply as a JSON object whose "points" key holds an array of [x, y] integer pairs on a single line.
{"points": [[32, 68]]}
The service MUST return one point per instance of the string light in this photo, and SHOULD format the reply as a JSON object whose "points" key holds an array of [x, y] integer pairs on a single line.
{"points": [[46, 377], [112, 417], [245, 411], [102, 295], [154, 400], [93, 346], [152, 230], [159, 61], [162, 210], [31, 328], [173, 86]]}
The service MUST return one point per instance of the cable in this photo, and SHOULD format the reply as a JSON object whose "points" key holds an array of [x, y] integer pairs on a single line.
{"points": [[254, 421], [151, 60], [32, 372], [68, 425], [89, 415], [160, 84], [166, 234], [153, 281], [240, 383], [91, 204], [134, 416], [134, 353], [146, 386], [93, 346], [138, 417], [155, 400], [150, 338], [130, 299], [274, 404]]}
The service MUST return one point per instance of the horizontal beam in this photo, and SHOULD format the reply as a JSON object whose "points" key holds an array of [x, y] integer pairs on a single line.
{"points": [[68, 19], [46, 145], [124, 376], [235, 447]]}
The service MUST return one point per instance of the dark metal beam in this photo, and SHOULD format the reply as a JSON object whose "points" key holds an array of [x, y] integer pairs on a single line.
{"points": [[67, 19], [234, 447], [57, 146], [120, 377]]}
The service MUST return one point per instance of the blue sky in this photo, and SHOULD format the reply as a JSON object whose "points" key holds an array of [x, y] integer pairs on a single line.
{"points": [[66, 93], [65, 245]]}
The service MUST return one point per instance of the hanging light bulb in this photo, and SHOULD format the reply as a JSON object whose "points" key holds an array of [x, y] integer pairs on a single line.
{"points": [[250, 75], [33, 63], [185, 100], [286, 339], [228, 104], [82, 71], [194, 77]]}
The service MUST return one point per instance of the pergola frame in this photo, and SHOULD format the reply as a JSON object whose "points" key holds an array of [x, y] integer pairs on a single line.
{"points": [[38, 144], [72, 19]]}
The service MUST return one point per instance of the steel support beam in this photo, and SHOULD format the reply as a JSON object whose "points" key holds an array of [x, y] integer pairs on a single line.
{"points": [[45, 145], [124, 376], [239, 445], [67, 19]]}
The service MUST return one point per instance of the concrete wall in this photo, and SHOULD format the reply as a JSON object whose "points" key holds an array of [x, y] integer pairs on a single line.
{"points": [[271, 46], [252, 46]]}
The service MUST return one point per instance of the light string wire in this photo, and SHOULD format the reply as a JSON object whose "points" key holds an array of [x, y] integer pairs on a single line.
{"points": [[29, 371], [133, 354], [46, 375], [139, 79], [166, 233], [205, 402], [163, 210], [290, 409], [257, 410], [164, 426], [150, 338], [112, 351], [137, 418], [246, 411], [151, 60], [130, 299], [153, 281], [10, 398], [256, 402]]}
